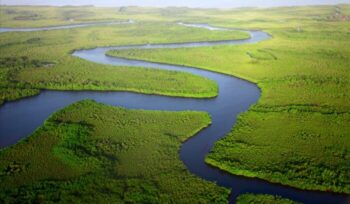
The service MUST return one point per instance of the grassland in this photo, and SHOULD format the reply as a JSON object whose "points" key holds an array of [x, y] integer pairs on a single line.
{"points": [[89, 152], [70, 73], [262, 199], [298, 133], [35, 16]]}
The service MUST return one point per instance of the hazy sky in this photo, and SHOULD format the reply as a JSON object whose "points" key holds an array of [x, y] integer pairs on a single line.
{"points": [[188, 3]]}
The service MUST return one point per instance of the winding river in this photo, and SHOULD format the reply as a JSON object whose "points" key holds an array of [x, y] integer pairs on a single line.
{"points": [[235, 96]]}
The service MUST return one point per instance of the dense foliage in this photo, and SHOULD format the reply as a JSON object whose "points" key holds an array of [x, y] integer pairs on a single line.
{"points": [[89, 152], [298, 134], [262, 199], [11, 89], [43, 58]]}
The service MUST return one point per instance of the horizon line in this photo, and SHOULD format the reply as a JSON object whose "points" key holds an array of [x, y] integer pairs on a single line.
{"points": [[160, 7]]}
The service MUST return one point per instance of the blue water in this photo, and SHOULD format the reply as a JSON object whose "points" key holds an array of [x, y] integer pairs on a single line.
{"points": [[235, 96]]}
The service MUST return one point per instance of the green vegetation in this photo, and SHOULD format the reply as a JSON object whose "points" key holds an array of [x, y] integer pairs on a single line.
{"points": [[21, 16], [262, 199], [304, 149], [71, 73], [34, 16], [89, 152], [298, 133], [12, 90], [12, 94]]}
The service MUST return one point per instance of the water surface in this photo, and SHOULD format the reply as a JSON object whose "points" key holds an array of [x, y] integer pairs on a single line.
{"points": [[19, 119]]}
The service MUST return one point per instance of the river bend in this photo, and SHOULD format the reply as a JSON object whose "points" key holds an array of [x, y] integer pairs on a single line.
{"points": [[235, 96]]}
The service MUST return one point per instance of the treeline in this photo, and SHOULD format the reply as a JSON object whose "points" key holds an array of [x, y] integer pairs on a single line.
{"points": [[263, 198], [23, 62]]}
